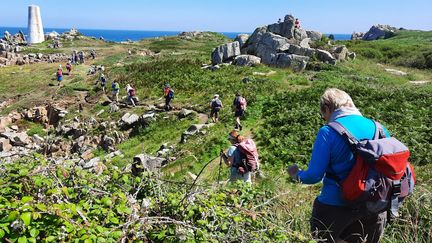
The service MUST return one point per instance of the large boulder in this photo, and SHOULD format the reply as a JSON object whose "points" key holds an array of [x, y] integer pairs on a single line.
{"points": [[242, 39], [379, 31], [340, 52], [325, 56], [300, 34], [305, 43], [185, 113], [5, 145], [285, 28], [144, 162], [225, 52], [129, 120], [301, 51], [314, 35], [284, 60], [266, 45], [247, 60], [357, 35]]}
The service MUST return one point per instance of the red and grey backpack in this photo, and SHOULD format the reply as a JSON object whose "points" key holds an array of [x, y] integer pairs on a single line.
{"points": [[382, 176], [249, 154]]}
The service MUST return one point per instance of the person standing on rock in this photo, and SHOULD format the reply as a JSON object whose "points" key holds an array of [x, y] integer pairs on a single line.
{"points": [[239, 105], [131, 94], [59, 75], [297, 24], [169, 95], [115, 90], [216, 106]]}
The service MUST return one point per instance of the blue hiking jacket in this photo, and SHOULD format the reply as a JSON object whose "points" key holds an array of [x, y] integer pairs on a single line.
{"points": [[331, 154]]}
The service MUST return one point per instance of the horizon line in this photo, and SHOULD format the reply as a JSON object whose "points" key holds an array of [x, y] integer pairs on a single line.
{"points": [[155, 30]]}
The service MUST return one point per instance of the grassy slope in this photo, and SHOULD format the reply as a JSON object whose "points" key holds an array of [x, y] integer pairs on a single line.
{"points": [[407, 48], [284, 124]]}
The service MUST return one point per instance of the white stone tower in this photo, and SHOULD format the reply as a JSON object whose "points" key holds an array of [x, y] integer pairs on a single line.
{"points": [[35, 27]]}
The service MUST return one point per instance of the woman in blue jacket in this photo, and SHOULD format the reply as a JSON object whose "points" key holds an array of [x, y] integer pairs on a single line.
{"points": [[331, 219]]}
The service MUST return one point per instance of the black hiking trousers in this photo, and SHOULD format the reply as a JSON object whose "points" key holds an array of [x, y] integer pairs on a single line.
{"points": [[168, 106], [333, 223]]}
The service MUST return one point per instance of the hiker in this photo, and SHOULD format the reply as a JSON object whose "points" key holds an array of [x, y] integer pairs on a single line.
{"points": [[69, 67], [239, 105], [59, 75], [115, 90], [332, 219], [297, 24], [131, 94], [81, 57], [216, 106], [103, 82], [93, 54], [242, 157], [169, 95]]}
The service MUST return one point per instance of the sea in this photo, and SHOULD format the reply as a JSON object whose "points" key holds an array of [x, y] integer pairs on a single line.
{"points": [[134, 35], [112, 35]]}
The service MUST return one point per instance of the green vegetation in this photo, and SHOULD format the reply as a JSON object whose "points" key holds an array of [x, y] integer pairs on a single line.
{"points": [[44, 201], [407, 48]]}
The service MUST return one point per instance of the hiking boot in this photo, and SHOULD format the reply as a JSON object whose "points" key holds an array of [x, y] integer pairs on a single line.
{"points": [[241, 127]]}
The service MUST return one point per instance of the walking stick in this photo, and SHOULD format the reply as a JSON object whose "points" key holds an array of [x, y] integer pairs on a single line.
{"points": [[220, 165]]}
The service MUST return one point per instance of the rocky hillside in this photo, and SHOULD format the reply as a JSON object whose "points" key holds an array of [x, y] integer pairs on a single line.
{"points": [[281, 45], [75, 166]]}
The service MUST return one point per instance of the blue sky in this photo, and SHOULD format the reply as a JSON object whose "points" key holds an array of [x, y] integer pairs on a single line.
{"points": [[328, 16]]}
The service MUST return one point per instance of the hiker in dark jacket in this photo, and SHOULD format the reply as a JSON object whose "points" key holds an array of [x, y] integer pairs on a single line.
{"points": [[216, 106], [233, 159], [332, 219], [239, 105]]}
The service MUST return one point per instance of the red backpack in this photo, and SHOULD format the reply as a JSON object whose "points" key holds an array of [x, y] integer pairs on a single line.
{"points": [[382, 176], [249, 154], [132, 92]]}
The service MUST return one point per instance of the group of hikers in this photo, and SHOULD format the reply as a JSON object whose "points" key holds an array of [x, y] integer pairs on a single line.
{"points": [[115, 87], [78, 57], [337, 155]]}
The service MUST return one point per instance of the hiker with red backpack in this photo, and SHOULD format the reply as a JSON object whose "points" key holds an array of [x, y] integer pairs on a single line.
{"points": [[365, 173], [242, 157], [131, 93], [239, 105], [216, 106], [169, 95]]}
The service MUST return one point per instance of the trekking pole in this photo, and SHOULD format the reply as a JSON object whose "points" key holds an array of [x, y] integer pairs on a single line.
{"points": [[196, 179], [220, 165]]}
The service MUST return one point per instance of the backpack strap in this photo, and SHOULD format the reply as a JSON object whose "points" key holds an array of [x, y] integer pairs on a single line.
{"points": [[394, 204], [379, 131], [341, 130]]}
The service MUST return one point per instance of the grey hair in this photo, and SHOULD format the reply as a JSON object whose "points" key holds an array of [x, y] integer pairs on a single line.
{"points": [[335, 99]]}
